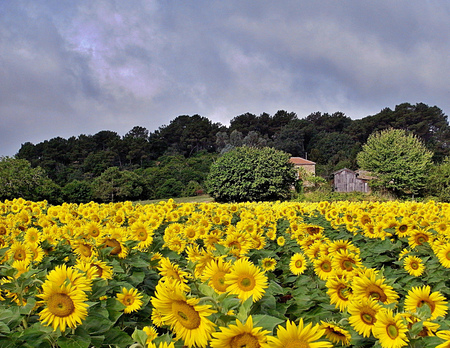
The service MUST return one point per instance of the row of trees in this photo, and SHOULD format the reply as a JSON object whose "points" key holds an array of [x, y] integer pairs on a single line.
{"points": [[179, 154], [173, 176]]}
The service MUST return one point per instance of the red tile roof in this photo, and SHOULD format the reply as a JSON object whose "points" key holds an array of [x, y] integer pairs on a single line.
{"points": [[300, 161]]}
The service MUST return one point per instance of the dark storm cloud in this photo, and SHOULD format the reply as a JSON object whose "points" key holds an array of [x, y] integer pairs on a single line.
{"points": [[70, 68]]}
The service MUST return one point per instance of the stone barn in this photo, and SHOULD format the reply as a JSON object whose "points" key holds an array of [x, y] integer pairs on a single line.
{"points": [[346, 180]]}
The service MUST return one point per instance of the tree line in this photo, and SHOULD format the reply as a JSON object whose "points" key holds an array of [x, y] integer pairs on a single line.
{"points": [[174, 160]]}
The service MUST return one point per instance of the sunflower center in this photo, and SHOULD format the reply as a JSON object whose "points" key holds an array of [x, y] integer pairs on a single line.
{"points": [[447, 255], [376, 293], [60, 305], [298, 264], [99, 270], [244, 340], [218, 281], [296, 343], [190, 233], [113, 244], [128, 300], [85, 250], [392, 331], [19, 255], [348, 264], [247, 283], [94, 232], [342, 293], [420, 239], [142, 234], [326, 267], [414, 265], [186, 315], [428, 303], [368, 318], [402, 228]]}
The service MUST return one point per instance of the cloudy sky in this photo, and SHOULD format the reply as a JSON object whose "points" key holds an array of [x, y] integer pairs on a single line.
{"points": [[78, 67]]}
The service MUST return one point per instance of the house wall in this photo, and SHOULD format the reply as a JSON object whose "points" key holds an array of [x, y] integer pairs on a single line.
{"points": [[346, 181]]}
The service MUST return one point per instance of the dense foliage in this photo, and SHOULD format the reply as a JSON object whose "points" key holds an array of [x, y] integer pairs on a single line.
{"points": [[331, 140], [438, 182], [215, 275], [399, 161], [251, 174]]}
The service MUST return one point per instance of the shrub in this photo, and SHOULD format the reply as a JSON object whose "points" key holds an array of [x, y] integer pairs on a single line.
{"points": [[251, 174]]}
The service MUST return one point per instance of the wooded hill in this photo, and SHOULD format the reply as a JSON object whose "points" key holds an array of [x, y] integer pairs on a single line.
{"points": [[188, 144]]}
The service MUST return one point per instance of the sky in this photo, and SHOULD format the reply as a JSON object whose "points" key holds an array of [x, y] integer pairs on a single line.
{"points": [[79, 67]]}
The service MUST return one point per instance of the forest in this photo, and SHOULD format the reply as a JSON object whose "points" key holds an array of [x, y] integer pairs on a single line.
{"points": [[174, 160]]}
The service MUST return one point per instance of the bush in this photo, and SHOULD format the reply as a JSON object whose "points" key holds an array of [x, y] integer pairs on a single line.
{"points": [[251, 174], [77, 192]]}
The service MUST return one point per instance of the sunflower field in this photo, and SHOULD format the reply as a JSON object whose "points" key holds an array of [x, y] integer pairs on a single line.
{"points": [[247, 275]]}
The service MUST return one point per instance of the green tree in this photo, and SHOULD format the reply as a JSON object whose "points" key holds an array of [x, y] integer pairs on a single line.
{"points": [[438, 183], [251, 174], [399, 160], [19, 179], [117, 185]]}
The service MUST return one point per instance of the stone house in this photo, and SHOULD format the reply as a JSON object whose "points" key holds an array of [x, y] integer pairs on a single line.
{"points": [[308, 166]]}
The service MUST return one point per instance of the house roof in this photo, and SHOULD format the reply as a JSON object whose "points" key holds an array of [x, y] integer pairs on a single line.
{"points": [[300, 161], [343, 170]]}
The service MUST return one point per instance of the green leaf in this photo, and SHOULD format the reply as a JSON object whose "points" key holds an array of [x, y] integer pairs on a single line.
{"points": [[140, 337], [136, 278], [97, 324], [118, 338], [244, 309], [4, 329], [266, 321], [416, 328], [74, 342]]}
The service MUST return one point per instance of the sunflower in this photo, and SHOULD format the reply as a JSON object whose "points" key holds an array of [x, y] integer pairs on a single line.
{"points": [[20, 252], [184, 315], [371, 285], [240, 335], [346, 261], [268, 264], [245, 280], [281, 241], [445, 335], [335, 333], [84, 250], [151, 333], [297, 265], [32, 236], [414, 265], [419, 237], [363, 312], [131, 299], [143, 233], [322, 267], [21, 267], [339, 291], [215, 272], [172, 272], [443, 255], [64, 305], [62, 274], [418, 296], [299, 336], [37, 253], [390, 330]]}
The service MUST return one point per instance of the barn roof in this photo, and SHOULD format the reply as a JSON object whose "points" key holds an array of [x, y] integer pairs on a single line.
{"points": [[300, 161]]}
